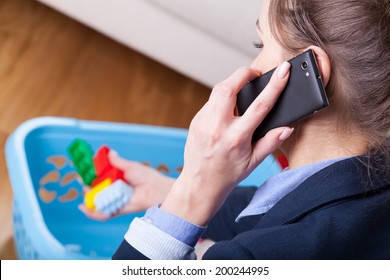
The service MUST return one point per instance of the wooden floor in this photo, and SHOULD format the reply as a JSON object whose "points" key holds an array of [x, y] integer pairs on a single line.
{"points": [[52, 65]]}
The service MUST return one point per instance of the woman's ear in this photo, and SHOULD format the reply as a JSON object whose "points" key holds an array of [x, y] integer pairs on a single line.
{"points": [[323, 62]]}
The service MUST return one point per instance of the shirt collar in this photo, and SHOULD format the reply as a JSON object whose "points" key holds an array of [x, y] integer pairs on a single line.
{"points": [[278, 186]]}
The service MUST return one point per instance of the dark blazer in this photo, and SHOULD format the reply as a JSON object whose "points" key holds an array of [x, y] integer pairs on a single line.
{"points": [[341, 212]]}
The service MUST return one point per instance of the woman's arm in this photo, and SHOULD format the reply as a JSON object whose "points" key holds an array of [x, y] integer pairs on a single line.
{"points": [[219, 151]]}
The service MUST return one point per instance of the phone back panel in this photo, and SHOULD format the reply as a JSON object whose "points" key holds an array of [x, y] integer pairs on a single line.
{"points": [[303, 95]]}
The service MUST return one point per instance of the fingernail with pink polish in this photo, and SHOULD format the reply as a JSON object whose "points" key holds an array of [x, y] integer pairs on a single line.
{"points": [[283, 70], [286, 133]]}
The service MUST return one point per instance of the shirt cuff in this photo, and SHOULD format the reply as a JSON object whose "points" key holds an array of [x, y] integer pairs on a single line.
{"points": [[156, 244], [176, 227]]}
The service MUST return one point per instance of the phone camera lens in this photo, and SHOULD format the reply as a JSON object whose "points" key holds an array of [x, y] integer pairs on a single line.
{"points": [[304, 65]]}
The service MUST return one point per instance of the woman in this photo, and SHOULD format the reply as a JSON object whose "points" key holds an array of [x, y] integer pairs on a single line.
{"points": [[333, 202]]}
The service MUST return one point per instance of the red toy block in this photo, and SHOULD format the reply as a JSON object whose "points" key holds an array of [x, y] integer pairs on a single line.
{"points": [[114, 174], [101, 162]]}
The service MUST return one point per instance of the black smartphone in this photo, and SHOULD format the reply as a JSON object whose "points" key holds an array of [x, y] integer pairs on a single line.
{"points": [[303, 96]]}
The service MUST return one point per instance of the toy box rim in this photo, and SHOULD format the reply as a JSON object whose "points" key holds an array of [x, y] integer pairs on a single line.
{"points": [[17, 164], [21, 183]]}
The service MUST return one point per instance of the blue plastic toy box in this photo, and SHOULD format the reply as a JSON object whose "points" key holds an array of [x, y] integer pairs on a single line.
{"points": [[47, 222]]}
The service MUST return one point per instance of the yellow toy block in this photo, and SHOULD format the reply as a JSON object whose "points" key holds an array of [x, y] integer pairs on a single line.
{"points": [[89, 198]]}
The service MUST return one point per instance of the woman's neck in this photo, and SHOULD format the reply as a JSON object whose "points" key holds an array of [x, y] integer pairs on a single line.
{"points": [[317, 139]]}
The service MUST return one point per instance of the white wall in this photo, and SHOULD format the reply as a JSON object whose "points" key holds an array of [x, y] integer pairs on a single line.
{"points": [[205, 40]]}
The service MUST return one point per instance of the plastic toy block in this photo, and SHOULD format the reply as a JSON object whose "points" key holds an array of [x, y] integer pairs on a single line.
{"points": [[113, 198], [114, 174], [81, 155], [101, 162], [89, 198]]}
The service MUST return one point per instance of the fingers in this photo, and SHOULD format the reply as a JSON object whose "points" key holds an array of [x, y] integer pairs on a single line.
{"points": [[86, 189], [269, 143], [95, 215], [264, 102], [118, 162], [121, 164], [223, 96]]}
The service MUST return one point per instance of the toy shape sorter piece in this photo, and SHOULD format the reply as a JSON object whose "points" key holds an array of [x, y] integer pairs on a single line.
{"points": [[101, 161], [112, 199], [103, 167], [113, 174], [81, 155], [90, 196], [109, 192]]}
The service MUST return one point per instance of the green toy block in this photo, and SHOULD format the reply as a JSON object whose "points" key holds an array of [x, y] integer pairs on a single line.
{"points": [[81, 155]]}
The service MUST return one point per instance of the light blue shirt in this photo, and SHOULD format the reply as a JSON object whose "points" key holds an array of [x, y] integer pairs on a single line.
{"points": [[278, 186], [161, 235], [180, 229]]}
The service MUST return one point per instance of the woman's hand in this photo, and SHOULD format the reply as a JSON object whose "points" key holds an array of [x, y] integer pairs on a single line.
{"points": [[219, 151], [150, 187]]}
